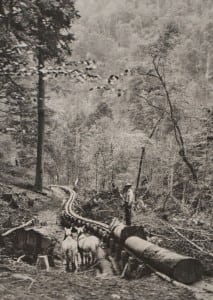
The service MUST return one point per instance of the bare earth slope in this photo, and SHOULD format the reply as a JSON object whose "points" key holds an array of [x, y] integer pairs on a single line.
{"points": [[57, 284]]}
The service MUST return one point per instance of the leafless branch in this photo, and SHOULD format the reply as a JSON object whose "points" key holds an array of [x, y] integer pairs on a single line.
{"points": [[177, 131], [19, 87], [151, 104], [156, 125]]}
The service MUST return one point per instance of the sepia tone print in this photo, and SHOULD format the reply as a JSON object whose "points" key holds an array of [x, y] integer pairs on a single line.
{"points": [[106, 157]]}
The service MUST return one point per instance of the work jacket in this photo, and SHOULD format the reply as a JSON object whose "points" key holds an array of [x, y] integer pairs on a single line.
{"points": [[129, 197]]}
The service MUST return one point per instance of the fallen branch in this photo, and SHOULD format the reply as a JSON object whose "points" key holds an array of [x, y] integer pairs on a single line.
{"points": [[22, 277], [197, 290], [190, 242], [20, 258], [31, 222], [195, 230], [172, 281], [114, 265], [164, 237], [123, 274], [30, 286]]}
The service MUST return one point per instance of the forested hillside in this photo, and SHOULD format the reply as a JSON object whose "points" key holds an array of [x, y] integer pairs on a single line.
{"points": [[97, 96], [148, 97], [106, 124]]}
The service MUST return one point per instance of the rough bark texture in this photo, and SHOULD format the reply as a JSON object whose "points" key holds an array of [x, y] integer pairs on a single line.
{"points": [[41, 121], [139, 171], [182, 268]]}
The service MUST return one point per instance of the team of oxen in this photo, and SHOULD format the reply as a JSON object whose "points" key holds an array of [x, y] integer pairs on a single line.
{"points": [[79, 248]]}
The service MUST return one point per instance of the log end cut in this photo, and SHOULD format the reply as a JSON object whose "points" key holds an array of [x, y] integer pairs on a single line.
{"points": [[188, 271], [179, 267]]}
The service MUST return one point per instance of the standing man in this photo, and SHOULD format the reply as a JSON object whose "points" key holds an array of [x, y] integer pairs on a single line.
{"points": [[128, 196]]}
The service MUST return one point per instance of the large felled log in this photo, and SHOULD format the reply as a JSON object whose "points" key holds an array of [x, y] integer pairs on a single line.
{"points": [[29, 223], [182, 268]]}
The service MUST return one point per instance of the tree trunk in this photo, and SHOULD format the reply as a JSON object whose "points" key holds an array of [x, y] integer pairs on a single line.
{"points": [[112, 164], [171, 181], [176, 127], [179, 267], [142, 156], [139, 172], [41, 122], [96, 172]]}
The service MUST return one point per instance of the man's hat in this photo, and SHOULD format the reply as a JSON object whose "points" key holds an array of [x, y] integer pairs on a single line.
{"points": [[128, 184]]}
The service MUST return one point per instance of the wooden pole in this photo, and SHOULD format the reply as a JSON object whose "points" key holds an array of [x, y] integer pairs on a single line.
{"points": [[117, 252], [111, 246], [139, 172], [142, 156]]}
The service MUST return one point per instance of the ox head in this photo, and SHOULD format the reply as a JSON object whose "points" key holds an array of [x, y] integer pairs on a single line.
{"points": [[80, 230], [68, 231]]}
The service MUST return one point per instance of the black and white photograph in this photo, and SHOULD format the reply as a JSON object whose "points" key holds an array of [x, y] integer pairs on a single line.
{"points": [[106, 149]]}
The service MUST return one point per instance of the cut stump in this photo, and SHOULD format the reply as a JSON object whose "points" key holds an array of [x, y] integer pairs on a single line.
{"points": [[42, 263]]}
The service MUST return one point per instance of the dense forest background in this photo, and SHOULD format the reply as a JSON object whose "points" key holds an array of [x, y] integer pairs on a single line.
{"points": [[148, 99]]}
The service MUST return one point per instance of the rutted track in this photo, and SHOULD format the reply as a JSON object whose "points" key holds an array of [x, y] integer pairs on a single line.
{"points": [[202, 290], [69, 213], [134, 248], [57, 284], [69, 216]]}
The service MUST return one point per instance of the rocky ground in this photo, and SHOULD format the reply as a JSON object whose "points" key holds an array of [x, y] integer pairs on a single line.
{"points": [[19, 280]]}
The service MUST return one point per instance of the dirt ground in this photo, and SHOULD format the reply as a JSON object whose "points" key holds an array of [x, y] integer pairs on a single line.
{"points": [[60, 285], [23, 281]]}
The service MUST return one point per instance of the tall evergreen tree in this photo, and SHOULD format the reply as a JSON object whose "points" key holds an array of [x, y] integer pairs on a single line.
{"points": [[44, 27]]}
